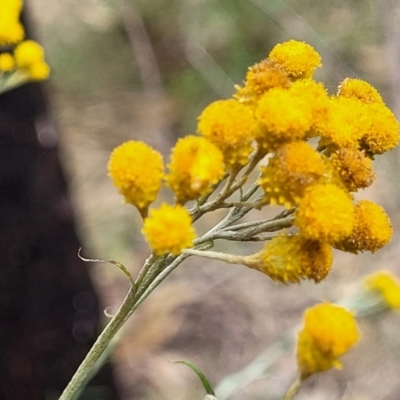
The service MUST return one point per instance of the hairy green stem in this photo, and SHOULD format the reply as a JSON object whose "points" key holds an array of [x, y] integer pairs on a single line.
{"points": [[99, 346]]}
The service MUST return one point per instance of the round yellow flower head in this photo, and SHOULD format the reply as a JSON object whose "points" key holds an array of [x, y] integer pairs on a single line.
{"points": [[29, 57], [294, 167], [292, 258], [169, 229], [387, 285], [298, 59], [137, 171], [354, 168], [6, 62], [230, 125], [347, 121], [285, 115], [27, 53], [325, 213], [359, 89], [329, 331], [371, 231], [196, 165], [316, 96], [11, 31], [383, 131], [259, 79]]}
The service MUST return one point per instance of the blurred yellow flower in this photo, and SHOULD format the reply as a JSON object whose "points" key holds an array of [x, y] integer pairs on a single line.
{"points": [[372, 229], [298, 59], [11, 31], [294, 167], [387, 285], [289, 259], [196, 165], [29, 57], [329, 331], [354, 168], [230, 125], [137, 171], [359, 89], [6, 62], [325, 213], [168, 229]]}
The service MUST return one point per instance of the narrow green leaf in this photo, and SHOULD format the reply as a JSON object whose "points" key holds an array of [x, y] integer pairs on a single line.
{"points": [[196, 369]]}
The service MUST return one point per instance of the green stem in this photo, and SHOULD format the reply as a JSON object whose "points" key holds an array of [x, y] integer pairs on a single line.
{"points": [[99, 346], [293, 389]]}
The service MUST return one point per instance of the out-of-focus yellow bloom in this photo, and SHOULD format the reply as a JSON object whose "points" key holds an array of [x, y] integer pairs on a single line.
{"points": [[347, 121], [292, 258], [294, 167], [137, 171], [27, 53], [354, 168], [259, 79], [29, 57], [359, 89], [196, 165], [372, 229], [329, 331], [299, 59], [325, 213], [11, 31], [230, 125], [285, 115], [6, 62], [169, 229], [387, 285], [383, 132]]}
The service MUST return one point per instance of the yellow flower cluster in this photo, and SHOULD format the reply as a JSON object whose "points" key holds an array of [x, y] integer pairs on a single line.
{"points": [[318, 148], [25, 56], [329, 331]]}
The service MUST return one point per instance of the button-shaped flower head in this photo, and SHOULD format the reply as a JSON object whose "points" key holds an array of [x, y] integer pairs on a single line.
{"points": [[196, 165], [137, 171], [329, 331], [298, 59], [168, 229], [230, 125], [325, 213]]}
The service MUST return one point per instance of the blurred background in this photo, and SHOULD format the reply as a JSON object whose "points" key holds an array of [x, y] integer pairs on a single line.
{"points": [[144, 70]]}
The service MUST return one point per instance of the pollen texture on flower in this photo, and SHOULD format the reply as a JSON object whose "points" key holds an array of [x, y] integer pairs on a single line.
{"points": [[285, 115], [325, 213], [359, 89], [168, 229], [298, 59], [137, 171], [230, 125], [354, 168], [383, 131], [372, 229], [347, 121], [329, 331], [288, 259], [294, 167], [196, 165], [387, 285], [259, 79]]}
